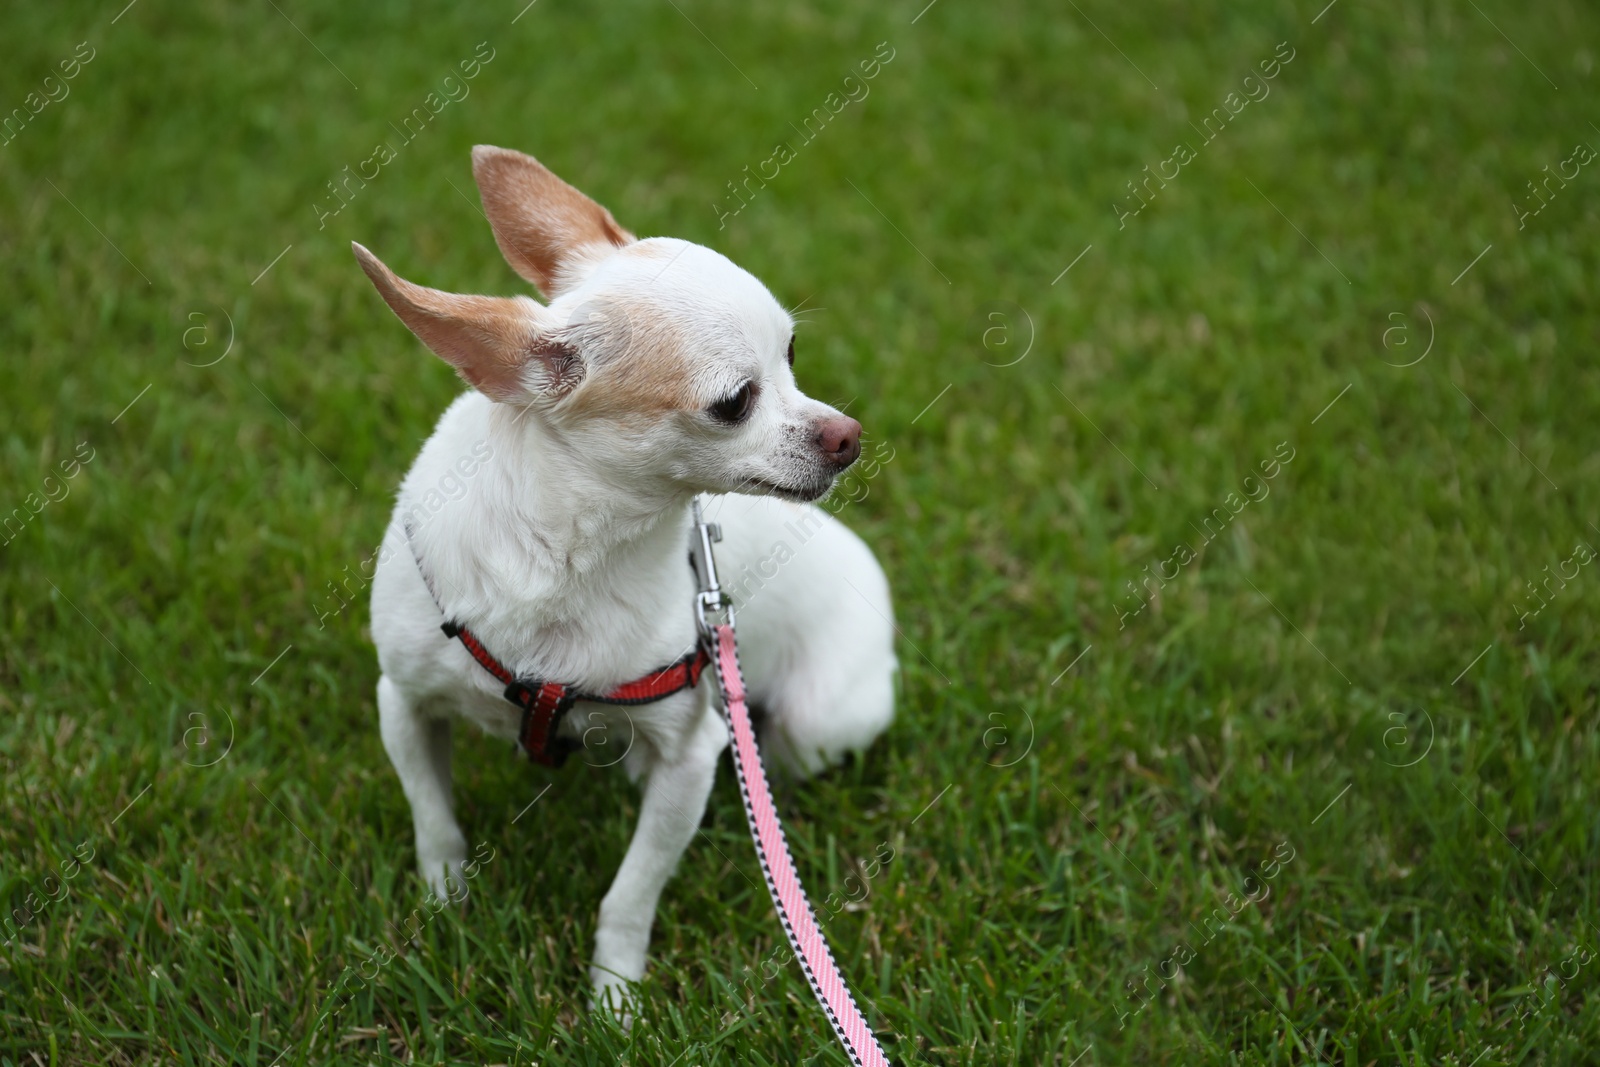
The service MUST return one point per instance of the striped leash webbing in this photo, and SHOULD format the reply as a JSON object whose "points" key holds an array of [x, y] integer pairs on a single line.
{"points": [[772, 848]]}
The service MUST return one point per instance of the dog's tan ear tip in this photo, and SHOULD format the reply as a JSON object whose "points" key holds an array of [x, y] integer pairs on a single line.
{"points": [[369, 262], [485, 154], [390, 286]]}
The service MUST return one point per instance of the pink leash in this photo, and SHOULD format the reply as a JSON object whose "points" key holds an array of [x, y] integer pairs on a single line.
{"points": [[772, 848]]}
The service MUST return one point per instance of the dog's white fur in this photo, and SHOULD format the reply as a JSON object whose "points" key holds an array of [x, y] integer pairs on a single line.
{"points": [[566, 548]]}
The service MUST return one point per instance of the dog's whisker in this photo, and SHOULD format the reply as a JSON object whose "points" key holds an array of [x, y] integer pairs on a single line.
{"points": [[799, 307]]}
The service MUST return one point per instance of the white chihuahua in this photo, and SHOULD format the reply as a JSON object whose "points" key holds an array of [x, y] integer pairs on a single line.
{"points": [[546, 524]]}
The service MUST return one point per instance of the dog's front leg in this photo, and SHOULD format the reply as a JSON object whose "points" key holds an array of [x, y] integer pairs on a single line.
{"points": [[419, 748], [675, 792]]}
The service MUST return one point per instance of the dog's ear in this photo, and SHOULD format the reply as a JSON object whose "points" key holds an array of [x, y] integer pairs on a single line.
{"points": [[545, 228], [500, 345]]}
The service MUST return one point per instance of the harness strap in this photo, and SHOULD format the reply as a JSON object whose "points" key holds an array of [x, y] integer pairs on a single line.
{"points": [[783, 882], [543, 704], [479, 653]]}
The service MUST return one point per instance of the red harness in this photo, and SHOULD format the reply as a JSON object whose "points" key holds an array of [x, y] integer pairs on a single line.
{"points": [[544, 703]]}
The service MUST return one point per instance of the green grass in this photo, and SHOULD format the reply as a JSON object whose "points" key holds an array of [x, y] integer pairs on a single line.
{"points": [[1084, 822]]}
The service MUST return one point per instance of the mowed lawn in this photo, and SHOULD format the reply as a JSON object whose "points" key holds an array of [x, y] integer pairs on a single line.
{"points": [[1237, 369]]}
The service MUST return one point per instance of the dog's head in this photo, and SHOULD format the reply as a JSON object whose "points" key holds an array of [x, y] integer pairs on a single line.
{"points": [[659, 358]]}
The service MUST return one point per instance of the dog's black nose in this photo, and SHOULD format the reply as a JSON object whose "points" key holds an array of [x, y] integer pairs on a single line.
{"points": [[839, 439]]}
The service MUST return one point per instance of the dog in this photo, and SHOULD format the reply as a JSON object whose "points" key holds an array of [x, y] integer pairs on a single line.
{"points": [[548, 518]]}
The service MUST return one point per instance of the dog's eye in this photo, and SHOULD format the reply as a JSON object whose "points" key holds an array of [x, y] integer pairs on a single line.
{"points": [[734, 409], [791, 351]]}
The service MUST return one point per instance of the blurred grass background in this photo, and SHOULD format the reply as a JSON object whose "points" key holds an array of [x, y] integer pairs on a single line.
{"points": [[1345, 676]]}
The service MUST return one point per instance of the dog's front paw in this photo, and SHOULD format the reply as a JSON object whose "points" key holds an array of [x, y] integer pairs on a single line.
{"points": [[444, 871], [447, 881], [614, 995]]}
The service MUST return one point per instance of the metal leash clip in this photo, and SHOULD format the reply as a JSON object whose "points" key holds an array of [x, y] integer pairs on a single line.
{"points": [[712, 607]]}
